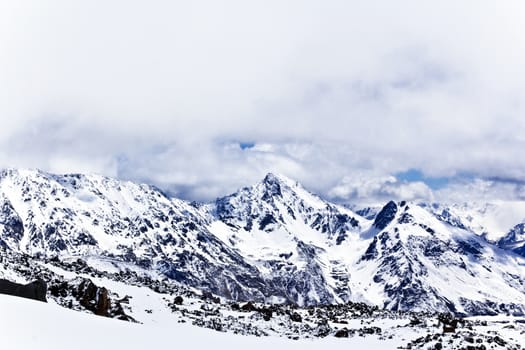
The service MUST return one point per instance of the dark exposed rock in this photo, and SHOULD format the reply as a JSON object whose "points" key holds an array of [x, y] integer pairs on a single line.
{"points": [[370, 330], [499, 341], [248, 307], [272, 187], [296, 317], [371, 252], [469, 339], [415, 321], [13, 226], [92, 297], [385, 216], [267, 313], [469, 247], [35, 290], [342, 333], [405, 218], [208, 296], [323, 329], [267, 220]]}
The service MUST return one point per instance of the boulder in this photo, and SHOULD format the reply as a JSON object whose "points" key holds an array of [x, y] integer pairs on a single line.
{"points": [[93, 298], [342, 333], [35, 290], [248, 307], [296, 317]]}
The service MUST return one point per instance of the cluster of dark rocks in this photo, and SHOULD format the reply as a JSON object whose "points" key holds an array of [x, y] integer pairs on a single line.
{"points": [[89, 296], [80, 293], [251, 318], [467, 340], [345, 332]]}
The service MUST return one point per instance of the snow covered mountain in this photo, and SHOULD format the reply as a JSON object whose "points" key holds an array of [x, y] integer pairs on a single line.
{"points": [[271, 242], [515, 239], [492, 220], [290, 235], [420, 262], [94, 217]]}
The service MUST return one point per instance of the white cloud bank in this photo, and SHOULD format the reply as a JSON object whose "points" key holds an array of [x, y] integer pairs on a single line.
{"points": [[373, 190], [163, 91]]}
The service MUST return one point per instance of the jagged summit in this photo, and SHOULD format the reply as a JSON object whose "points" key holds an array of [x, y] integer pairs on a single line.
{"points": [[275, 184], [271, 178], [278, 201], [272, 186]]}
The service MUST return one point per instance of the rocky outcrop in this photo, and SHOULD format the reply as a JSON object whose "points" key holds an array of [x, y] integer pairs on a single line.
{"points": [[90, 297], [35, 290], [385, 216], [93, 298]]}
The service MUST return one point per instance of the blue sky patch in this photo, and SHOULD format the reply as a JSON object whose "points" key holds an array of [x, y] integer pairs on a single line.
{"points": [[413, 175], [246, 145]]}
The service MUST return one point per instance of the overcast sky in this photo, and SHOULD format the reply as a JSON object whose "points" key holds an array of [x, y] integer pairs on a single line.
{"points": [[355, 99]]}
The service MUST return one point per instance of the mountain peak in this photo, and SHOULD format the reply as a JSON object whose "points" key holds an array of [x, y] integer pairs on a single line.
{"points": [[272, 186], [272, 178]]}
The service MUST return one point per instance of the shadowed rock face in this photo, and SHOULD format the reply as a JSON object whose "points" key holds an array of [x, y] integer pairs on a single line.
{"points": [[93, 298], [386, 215], [35, 290]]}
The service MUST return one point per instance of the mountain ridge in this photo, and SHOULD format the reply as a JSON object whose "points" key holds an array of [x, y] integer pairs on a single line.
{"points": [[273, 242]]}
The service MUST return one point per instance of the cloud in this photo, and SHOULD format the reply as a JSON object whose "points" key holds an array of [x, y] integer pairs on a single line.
{"points": [[366, 189], [481, 190], [165, 92]]}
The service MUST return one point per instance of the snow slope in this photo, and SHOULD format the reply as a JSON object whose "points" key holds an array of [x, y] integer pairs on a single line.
{"points": [[28, 325]]}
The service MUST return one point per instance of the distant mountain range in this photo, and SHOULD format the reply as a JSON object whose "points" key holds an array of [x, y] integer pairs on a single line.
{"points": [[275, 242]]}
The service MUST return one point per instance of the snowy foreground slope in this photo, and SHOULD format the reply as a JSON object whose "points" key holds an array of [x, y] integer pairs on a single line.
{"points": [[273, 242], [51, 327], [28, 324]]}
